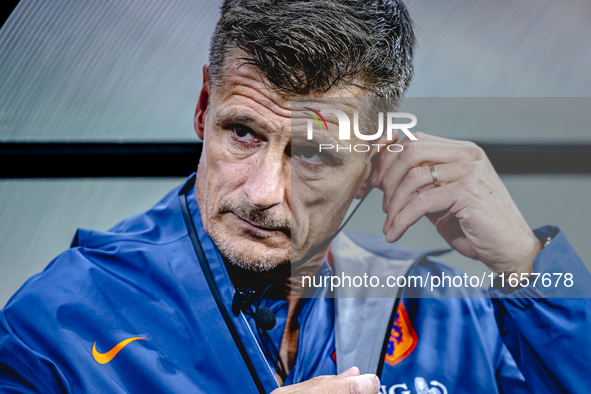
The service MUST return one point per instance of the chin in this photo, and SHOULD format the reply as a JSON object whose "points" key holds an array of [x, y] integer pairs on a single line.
{"points": [[250, 254]]}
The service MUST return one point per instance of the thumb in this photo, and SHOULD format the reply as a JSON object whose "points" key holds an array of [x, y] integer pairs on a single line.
{"points": [[362, 384], [353, 371], [384, 158], [395, 137]]}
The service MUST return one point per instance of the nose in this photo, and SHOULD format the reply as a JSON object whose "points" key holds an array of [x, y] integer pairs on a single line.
{"points": [[265, 186]]}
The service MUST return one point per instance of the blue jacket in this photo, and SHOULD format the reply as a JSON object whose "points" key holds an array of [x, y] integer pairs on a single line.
{"points": [[132, 310]]}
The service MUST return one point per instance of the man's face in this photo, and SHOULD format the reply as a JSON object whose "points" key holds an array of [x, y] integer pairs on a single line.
{"points": [[266, 197]]}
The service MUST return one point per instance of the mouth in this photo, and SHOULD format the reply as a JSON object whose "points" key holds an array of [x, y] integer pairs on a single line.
{"points": [[258, 231]]}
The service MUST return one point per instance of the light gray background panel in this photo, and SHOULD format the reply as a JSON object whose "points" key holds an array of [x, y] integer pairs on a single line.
{"points": [[40, 218]]}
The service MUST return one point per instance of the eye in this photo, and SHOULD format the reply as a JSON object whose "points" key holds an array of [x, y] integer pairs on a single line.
{"points": [[310, 153], [243, 132]]}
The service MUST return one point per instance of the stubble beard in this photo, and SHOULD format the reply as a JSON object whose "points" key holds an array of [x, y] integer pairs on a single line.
{"points": [[238, 256]]}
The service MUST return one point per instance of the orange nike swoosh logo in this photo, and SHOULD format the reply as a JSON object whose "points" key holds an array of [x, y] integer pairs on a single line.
{"points": [[103, 358]]}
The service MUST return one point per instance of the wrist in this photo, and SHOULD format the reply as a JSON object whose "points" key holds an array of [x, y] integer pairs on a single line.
{"points": [[525, 264]]}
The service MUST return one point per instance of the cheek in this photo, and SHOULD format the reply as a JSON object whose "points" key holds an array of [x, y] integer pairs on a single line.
{"points": [[224, 172], [320, 206], [308, 209], [232, 174], [224, 183]]}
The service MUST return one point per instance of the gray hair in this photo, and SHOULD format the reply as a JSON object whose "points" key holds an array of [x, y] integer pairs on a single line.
{"points": [[311, 46]]}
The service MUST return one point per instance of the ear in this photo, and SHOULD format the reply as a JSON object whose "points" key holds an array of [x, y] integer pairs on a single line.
{"points": [[380, 146], [365, 186], [202, 104]]}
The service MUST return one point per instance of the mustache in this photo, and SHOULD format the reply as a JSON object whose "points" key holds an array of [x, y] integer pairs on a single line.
{"points": [[258, 217]]}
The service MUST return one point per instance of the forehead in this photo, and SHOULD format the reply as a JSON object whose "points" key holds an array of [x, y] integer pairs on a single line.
{"points": [[244, 95]]}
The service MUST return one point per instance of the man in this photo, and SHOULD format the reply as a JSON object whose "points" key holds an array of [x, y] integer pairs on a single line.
{"points": [[182, 298]]}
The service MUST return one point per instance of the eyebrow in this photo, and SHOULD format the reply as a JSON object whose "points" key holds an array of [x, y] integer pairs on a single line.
{"points": [[230, 118]]}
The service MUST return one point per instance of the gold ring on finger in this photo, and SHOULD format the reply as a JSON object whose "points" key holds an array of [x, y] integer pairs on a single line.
{"points": [[435, 178]]}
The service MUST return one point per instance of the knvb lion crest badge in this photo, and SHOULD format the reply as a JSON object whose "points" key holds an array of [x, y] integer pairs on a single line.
{"points": [[403, 338]]}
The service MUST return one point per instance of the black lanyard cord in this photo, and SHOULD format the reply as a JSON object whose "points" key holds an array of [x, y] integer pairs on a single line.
{"points": [[243, 301], [293, 269]]}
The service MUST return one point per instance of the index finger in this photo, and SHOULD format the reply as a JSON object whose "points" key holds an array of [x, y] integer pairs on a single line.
{"points": [[386, 158]]}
